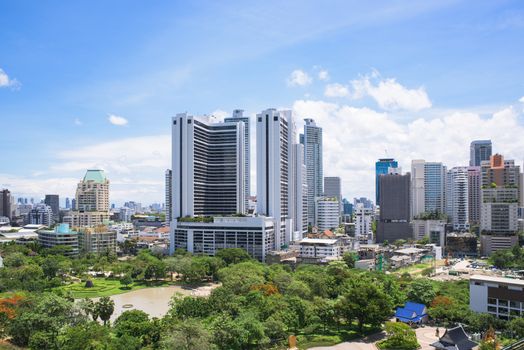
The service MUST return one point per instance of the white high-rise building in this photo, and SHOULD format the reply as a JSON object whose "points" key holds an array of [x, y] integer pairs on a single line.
{"points": [[457, 200], [275, 197], [299, 205], [312, 140], [328, 213], [169, 195], [363, 220], [208, 169], [428, 187], [238, 116]]}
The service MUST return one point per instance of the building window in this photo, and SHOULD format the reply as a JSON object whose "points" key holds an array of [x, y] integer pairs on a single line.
{"points": [[174, 122], [275, 118], [189, 121], [259, 119]]}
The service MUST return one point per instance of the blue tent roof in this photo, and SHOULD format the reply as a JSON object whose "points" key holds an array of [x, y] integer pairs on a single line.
{"points": [[418, 308]]}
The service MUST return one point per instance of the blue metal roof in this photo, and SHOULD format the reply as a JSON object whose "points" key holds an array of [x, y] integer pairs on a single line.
{"points": [[411, 312]]}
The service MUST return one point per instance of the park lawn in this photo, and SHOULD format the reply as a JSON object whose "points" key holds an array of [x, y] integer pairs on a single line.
{"points": [[413, 269], [106, 287]]}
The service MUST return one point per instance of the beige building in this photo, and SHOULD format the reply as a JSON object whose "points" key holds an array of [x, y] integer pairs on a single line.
{"points": [[97, 240], [92, 200]]}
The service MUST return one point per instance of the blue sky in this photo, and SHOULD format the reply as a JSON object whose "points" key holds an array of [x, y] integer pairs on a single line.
{"points": [[418, 79]]}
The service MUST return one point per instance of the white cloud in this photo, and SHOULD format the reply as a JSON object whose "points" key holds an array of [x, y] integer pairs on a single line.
{"points": [[299, 78], [219, 115], [336, 90], [323, 75], [521, 99], [5, 81], [117, 120], [354, 138], [78, 122], [389, 94]]}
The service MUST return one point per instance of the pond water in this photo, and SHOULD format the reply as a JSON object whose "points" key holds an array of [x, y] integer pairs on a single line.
{"points": [[154, 301]]}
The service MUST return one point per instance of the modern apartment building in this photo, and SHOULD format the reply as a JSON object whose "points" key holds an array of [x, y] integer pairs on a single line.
{"points": [[500, 195], [327, 213], [92, 200], [312, 140], [479, 151], [428, 187], [275, 140], [395, 210], [41, 214], [474, 196], [53, 201], [457, 198], [5, 203], [299, 188], [253, 234], [168, 195], [498, 296], [381, 168], [363, 222], [208, 169], [97, 240], [333, 188], [62, 235], [238, 116]]}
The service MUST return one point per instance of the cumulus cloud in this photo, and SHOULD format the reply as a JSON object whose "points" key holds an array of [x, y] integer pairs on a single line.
{"points": [[323, 75], [299, 78], [117, 120], [336, 90], [78, 122], [521, 99], [389, 94], [5, 81], [354, 138]]}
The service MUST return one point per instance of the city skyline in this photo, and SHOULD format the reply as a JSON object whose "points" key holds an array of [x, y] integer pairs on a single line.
{"points": [[101, 113]]}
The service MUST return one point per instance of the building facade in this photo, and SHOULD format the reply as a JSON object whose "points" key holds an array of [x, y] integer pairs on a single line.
{"points": [[238, 116], [327, 213], [299, 206], [457, 198], [381, 168], [92, 200], [333, 188], [41, 214], [168, 195], [53, 201], [428, 187], [474, 196], [312, 140], [498, 296], [363, 222], [5, 203], [479, 151], [97, 240], [62, 235], [395, 210]]}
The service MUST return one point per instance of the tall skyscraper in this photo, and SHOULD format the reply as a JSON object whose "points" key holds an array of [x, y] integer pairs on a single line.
{"points": [[457, 198], [299, 205], [328, 213], [53, 201], [428, 187], [208, 167], [333, 188], [500, 192], [312, 140], [238, 115], [394, 208], [474, 202], [92, 200], [67, 203], [381, 168], [169, 194], [479, 151], [275, 139], [5, 203]]}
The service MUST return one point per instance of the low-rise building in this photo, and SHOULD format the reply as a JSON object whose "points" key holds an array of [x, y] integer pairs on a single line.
{"points": [[461, 244], [498, 296], [316, 250], [97, 240], [435, 230], [62, 235]]}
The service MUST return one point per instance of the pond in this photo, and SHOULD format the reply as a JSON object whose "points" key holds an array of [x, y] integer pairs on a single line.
{"points": [[154, 301]]}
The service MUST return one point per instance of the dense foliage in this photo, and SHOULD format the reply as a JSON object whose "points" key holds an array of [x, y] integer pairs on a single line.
{"points": [[257, 306]]}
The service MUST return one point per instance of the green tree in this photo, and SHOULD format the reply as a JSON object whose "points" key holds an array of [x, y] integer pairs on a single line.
{"points": [[187, 335], [421, 291], [399, 336], [88, 335], [516, 326], [349, 259], [105, 308], [233, 255], [188, 307], [136, 323], [126, 280], [366, 303]]}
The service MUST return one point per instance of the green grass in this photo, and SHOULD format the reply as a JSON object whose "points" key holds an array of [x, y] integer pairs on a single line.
{"points": [[105, 287], [332, 336], [413, 269]]}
